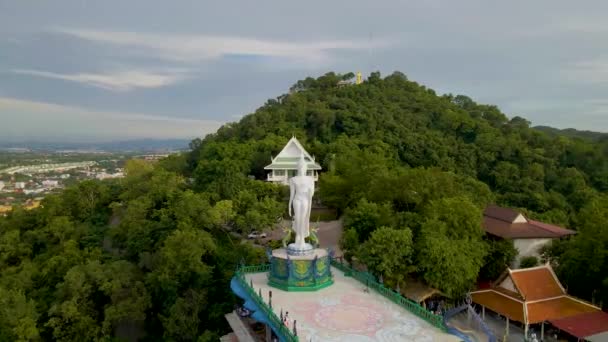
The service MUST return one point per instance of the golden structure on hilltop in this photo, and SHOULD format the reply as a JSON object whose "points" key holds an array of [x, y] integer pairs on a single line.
{"points": [[359, 78]]}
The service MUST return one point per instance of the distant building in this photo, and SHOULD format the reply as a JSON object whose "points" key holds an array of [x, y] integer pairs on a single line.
{"points": [[1, 185], [155, 157], [50, 183], [285, 164], [65, 176], [344, 83], [104, 175], [33, 191], [528, 235], [19, 185]]}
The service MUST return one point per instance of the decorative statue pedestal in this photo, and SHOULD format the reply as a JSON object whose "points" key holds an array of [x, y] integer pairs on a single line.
{"points": [[309, 272], [299, 249]]}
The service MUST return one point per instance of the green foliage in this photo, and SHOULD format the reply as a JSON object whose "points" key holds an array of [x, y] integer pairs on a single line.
{"points": [[389, 252], [528, 261], [501, 254], [582, 262], [449, 265], [390, 147], [366, 217], [18, 317], [450, 249], [256, 212], [144, 257], [571, 132], [349, 243]]}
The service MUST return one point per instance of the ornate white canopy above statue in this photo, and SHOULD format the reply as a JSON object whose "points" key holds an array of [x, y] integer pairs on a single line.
{"points": [[285, 164]]}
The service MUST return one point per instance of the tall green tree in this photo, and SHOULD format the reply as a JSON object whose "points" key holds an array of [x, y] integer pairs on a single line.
{"points": [[389, 252], [450, 250], [582, 262], [367, 217]]}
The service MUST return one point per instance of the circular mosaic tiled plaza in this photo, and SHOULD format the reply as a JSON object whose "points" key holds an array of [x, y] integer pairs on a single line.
{"points": [[345, 312]]}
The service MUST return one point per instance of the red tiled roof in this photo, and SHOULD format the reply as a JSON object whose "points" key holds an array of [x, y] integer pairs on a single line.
{"points": [[536, 283], [537, 312], [583, 325], [556, 309], [559, 231], [499, 222], [500, 213], [502, 304], [538, 291]]}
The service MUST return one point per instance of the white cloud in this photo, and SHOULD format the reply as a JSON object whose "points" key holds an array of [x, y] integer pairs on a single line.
{"points": [[51, 121], [116, 81], [191, 48], [590, 71]]}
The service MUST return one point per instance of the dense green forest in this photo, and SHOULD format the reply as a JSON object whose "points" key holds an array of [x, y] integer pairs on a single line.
{"points": [[150, 256]]}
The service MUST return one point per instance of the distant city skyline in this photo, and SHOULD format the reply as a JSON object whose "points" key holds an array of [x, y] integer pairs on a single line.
{"points": [[80, 70]]}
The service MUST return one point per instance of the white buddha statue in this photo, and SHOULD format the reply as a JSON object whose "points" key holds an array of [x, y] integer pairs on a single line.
{"points": [[302, 188]]}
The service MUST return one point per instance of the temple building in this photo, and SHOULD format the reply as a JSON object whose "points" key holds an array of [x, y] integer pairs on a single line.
{"points": [[534, 296], [285, 164], [528, 235]]}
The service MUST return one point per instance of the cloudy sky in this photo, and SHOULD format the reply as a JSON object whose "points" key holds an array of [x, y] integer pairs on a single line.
{"points": [[108, 70]]}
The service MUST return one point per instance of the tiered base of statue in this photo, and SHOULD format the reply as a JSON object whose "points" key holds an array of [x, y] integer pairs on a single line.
{"points": [[308, 272]]}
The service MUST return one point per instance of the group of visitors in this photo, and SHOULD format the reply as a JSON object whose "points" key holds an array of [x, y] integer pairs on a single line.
{"points": [[435, 306], [286, 319]]}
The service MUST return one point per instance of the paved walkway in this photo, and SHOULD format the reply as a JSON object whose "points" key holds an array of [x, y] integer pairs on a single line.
{"points": [[344, 312], [497, 325], [460, 322], [239, 328]]}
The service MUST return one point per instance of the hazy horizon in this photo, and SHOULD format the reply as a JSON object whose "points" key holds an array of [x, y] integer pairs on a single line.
{"points": [[78, 70]]}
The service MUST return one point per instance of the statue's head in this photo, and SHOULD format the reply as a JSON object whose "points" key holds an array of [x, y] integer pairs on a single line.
{"points": [[302, 165]]}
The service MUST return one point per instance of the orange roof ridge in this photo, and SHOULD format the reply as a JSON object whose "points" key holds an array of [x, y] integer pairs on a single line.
{"points": [[584, 302], [531, 268], [545, 299], [552, 228], [506, 295]]}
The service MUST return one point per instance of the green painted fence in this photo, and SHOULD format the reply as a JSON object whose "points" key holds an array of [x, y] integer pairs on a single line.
{"points": [[413, 307], [275, 321]]}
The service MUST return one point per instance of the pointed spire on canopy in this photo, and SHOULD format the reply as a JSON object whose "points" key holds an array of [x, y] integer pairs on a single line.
{"points": [[290, 155]]}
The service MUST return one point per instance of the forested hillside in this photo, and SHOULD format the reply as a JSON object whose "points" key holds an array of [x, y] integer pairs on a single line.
{"points": [[399, 156], [574, 133], [150, 256]]}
